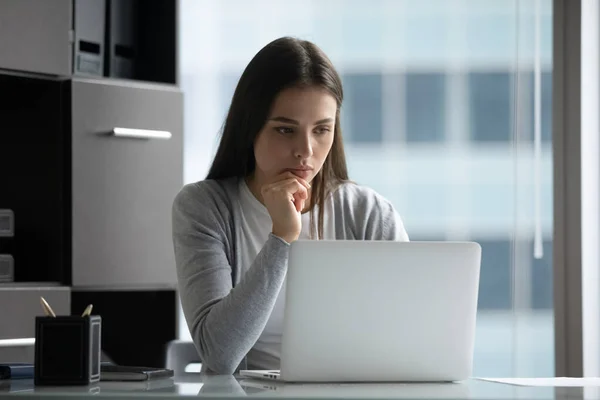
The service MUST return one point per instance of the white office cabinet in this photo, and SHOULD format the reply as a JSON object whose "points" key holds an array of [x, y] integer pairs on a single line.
{"points": [[122, 186], [35, 36]]}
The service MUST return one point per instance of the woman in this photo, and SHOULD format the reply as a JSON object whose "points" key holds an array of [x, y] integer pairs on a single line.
{"points": [[279, 175]]}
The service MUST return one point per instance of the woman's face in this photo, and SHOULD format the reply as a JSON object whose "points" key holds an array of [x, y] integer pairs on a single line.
{"points": [[297, 135]]}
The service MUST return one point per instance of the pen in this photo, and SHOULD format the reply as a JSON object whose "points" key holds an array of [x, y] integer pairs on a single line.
{"points": [[47, 309], [87, 311]]}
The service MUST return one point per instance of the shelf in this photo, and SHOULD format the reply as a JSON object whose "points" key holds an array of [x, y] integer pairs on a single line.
{"points": [[32, 285]]}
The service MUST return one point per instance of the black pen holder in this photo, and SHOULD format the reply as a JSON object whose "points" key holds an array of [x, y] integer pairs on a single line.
{"points": [[67, 350]]}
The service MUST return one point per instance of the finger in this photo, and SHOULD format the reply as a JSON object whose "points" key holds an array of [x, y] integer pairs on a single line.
{"points": [[276, 185], [299, 202], [289, 175], [301, 180], [294, 188], [289, 185], [302, 194], [284, 176]]}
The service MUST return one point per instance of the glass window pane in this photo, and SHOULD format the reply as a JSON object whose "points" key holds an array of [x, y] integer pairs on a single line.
{"points": [[425, 106], [495, 280], [546, 106], [541, 298], [489, 103], [227, 84], [491, 33], [362, 107], [446, 158]]}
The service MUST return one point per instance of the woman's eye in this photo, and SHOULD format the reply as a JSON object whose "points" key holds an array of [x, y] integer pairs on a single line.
{"points": [[323, 130], [284, 130]]}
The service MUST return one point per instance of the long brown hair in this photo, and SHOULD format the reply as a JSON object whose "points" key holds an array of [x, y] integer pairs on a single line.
{"points": [[283, 63]]}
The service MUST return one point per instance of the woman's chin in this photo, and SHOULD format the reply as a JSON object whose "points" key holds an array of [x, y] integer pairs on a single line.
{"points": [[306, 175]]}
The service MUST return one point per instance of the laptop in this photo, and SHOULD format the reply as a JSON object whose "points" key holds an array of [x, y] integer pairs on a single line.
{"points": [[378, 311], [357, 390]]}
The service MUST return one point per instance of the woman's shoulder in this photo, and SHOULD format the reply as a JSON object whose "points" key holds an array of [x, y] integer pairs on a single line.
{"points": [[206, 195], [367, 213], [355, 195]]}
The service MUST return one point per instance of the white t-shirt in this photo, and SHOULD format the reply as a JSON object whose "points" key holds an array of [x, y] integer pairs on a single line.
{"points": [[255, 228]]}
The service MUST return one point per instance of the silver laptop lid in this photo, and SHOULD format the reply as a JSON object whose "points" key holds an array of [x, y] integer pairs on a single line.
{"points": [[380, 311]]}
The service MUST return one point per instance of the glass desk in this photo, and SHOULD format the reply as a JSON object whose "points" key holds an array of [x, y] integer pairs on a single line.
{"points": [[230, 387]]}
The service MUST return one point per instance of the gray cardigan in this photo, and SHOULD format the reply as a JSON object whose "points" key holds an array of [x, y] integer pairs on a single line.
{"points": [[226, 312]]}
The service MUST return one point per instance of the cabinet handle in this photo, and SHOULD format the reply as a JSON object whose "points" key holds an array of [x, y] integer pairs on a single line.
{"points": [[140, 133], [17, 342]]}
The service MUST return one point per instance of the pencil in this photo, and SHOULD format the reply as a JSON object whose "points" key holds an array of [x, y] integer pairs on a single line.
{"points": [[47, 309], [87, 311]]}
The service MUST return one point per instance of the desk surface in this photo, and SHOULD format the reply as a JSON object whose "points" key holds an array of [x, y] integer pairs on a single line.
{"points": [[229, 387]]}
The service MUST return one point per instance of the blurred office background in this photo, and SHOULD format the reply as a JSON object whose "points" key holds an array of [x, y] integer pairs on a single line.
{"points": [[447, 113]]}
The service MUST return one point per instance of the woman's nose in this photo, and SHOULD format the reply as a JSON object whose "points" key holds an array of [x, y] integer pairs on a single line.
{"points": [[303, 147]]}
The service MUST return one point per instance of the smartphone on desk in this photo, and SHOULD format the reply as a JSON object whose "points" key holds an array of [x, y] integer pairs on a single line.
{"points": [[16, 371], [113, 372]]}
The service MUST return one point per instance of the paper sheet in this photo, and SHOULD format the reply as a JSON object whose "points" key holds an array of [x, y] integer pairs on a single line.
{"points": [[548, 382]]}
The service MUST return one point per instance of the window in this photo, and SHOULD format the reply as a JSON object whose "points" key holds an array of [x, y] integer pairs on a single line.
{"points": [[428, 122], [489, 102], [542, 272], [227, 84], [527, 108], [495, 279], [425, 107], [546, 106], [362, 108]]}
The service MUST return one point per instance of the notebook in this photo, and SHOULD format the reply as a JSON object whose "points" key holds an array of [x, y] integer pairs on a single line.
{"points": [[112, 372]]}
